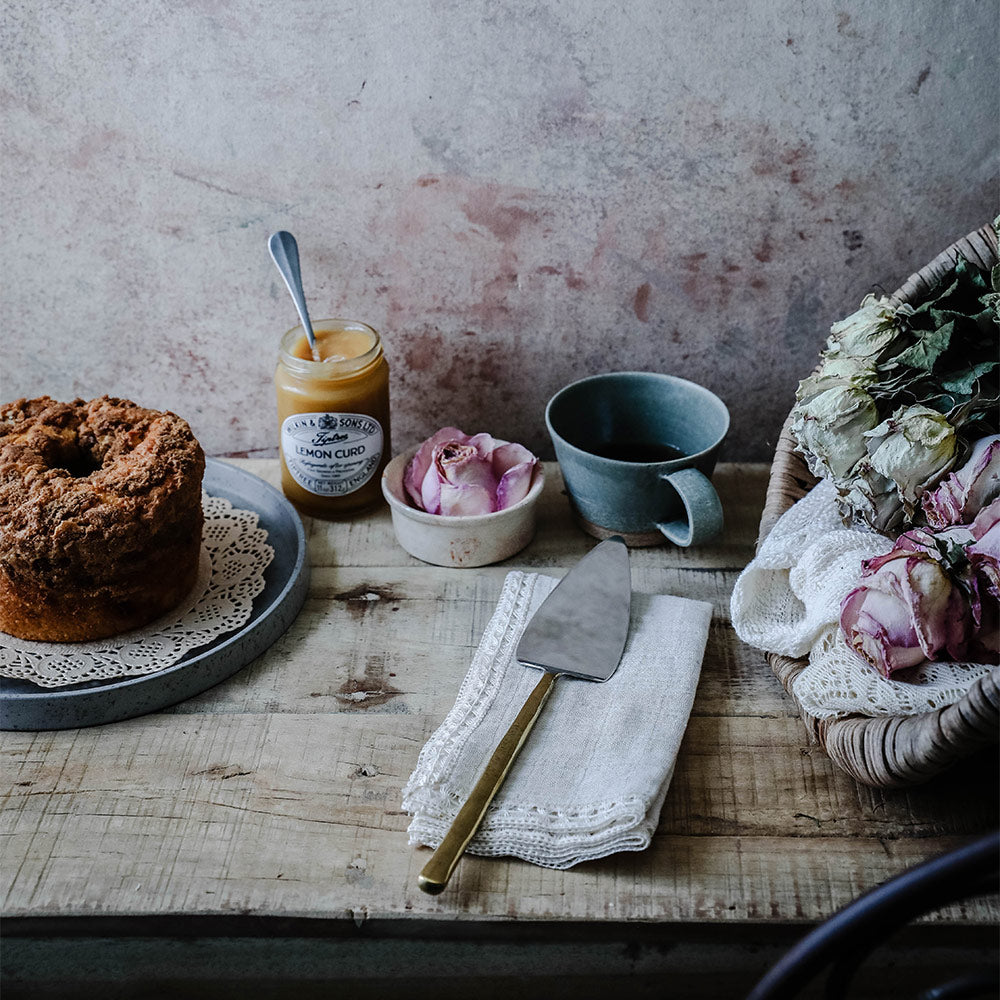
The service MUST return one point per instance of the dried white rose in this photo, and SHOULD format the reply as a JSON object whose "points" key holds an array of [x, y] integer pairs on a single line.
{"points": [[866, 333], [915, 447], [858, 373], [870, 498], [829, 428]]}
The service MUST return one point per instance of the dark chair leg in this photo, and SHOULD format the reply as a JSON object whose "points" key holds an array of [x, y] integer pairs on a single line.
{"points": [[846, 939]]}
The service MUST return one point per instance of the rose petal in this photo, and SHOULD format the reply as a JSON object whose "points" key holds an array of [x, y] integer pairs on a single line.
{"points": [[937, 609], [430, 491], [506, 456], [984, 553], [515, 484], [464, 500], [412, 480], [873, 566], [830, 429], [484, 444], [984, 528]]}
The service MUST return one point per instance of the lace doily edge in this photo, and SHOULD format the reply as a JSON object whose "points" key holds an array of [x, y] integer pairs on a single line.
{"points": [[192, 636]]}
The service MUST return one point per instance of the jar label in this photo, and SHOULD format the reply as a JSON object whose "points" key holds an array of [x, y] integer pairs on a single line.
{"points": [[331, 454]]}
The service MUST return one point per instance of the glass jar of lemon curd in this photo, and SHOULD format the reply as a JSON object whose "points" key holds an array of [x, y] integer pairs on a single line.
{"points": [[333, 415]]}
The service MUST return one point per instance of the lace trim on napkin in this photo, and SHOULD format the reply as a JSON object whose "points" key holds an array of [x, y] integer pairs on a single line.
{"points": [[234, 556], [480, 686], [787, 601]]}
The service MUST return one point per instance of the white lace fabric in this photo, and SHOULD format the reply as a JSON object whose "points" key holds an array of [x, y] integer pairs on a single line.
{"points": [[234, 555], [787, 601], [594, 772]]}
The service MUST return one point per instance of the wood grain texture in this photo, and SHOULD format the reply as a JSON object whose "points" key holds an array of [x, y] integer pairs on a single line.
{"points": [[277, 793]]}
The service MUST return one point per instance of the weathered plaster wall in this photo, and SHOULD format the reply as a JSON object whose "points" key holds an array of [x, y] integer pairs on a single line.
{"points": [[516, 194]]}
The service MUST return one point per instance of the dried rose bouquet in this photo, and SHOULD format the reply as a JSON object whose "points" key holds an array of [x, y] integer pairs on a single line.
{"points": [[903, 417]]}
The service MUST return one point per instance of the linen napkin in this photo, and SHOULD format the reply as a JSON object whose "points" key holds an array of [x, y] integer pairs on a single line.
{"points": [[594, 772]]}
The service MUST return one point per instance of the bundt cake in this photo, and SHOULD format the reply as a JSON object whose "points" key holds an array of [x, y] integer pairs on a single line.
{"points": [[100, 516]]}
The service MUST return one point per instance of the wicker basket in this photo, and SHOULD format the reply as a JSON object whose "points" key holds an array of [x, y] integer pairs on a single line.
{"points": [[891, 751]]}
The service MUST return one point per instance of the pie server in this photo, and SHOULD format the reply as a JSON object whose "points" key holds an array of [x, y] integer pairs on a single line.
{"points": [[580, 631]]}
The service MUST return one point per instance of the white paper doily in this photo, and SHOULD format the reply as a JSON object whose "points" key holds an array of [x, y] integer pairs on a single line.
{"points": [[234, 556]]}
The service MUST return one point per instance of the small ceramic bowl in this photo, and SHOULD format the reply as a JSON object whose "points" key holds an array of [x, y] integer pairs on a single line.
{"points": [[473, 540]]}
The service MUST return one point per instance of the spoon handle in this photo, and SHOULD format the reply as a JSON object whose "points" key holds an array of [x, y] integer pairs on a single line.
{"points": [[285, 254]]}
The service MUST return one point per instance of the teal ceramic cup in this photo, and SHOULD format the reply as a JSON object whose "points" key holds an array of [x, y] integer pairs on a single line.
{"points": [[636, 451]]}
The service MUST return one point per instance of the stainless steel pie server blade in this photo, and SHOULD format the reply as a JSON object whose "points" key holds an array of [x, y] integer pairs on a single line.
{"points": [[578, 630], [581, 627]]}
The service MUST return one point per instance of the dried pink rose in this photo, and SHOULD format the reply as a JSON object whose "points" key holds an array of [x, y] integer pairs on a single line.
{"points": [[968, 489], [454, 474], [935, 596], [984, 549], [983, 553], [907, 609]]}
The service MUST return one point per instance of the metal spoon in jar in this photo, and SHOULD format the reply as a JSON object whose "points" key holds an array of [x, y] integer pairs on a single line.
{"points": [[285, 254]]}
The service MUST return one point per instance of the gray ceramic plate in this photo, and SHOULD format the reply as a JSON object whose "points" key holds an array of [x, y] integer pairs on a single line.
{"points": [[25, 706]]}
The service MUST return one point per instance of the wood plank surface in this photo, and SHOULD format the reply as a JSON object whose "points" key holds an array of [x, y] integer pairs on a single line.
{"points": [[277, 793]]}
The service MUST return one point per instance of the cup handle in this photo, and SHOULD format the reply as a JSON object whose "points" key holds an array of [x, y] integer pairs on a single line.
{"points": [[701, 504]]}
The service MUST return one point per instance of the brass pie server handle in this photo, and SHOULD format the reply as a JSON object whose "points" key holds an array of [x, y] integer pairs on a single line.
{"points": [[438, 869]]}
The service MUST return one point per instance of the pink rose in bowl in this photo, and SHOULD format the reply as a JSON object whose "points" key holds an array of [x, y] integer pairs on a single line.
{"points": [[458, 475]]}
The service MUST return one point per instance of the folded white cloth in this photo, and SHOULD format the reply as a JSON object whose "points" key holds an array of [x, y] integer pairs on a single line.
{"points": [[788, 601], [594, 772]]}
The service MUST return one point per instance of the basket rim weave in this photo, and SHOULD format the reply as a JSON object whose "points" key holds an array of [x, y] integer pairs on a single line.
{"points": [[890, 751]]}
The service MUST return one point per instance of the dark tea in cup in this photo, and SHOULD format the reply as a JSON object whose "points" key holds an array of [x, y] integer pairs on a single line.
{"points": [[637, 451]]}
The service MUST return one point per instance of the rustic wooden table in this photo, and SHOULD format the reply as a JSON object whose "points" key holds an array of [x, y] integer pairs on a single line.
{"points": [[251, 839]]}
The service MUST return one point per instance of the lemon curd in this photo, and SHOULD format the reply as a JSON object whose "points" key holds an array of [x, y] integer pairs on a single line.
{"points": [[333, 418]]}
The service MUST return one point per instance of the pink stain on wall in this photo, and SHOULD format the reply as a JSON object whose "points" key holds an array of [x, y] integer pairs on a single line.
{"points": [[422, 350], [640, 304], [491, 208], [764, 250], [93, 145], [479, 232]]}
